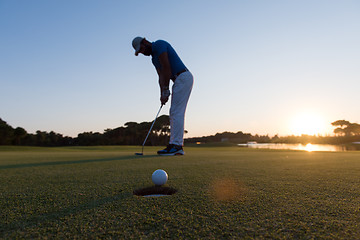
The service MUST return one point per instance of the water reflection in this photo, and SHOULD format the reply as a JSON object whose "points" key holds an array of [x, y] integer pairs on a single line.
{"points": [[302, 147]]}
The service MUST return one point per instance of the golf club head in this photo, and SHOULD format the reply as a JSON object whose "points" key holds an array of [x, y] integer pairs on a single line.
{"points": [[139, 154]]}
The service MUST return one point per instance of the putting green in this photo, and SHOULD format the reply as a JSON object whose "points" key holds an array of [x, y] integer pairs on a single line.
{"points": [[222, 193]]}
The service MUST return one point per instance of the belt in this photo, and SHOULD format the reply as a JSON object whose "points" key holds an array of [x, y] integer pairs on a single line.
{"points": [[177, 74]]}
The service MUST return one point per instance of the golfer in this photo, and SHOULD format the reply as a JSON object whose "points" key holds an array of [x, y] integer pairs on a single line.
{"points": [[169, 66]]}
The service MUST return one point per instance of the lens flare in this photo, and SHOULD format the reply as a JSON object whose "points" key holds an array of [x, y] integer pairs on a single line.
{"points": [[227, 189]]}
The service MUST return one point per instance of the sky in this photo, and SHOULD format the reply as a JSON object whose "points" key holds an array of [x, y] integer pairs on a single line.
{"points": [[260, 67]]}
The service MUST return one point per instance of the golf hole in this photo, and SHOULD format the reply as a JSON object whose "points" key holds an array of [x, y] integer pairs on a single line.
{"points": [[155, 191]]}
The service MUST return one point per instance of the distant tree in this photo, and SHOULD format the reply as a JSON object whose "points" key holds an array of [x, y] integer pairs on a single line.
{"points": [[275, 138], [90, 139], [354, 128], [161, 131], [19, 135], [114, 136], [339, 131], [41, 138], [132, 132], [162, 125], [29, 140], [346, 128], [340, 123], [6, 133]]}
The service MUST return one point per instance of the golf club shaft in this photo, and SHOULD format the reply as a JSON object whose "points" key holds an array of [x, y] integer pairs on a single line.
{"points": [[151, 128]]}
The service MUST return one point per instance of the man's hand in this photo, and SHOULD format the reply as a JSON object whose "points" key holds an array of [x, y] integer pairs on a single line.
{"points": [[165, 93], [164, 77]]}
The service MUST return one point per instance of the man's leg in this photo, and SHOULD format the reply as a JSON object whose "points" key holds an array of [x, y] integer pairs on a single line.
{"points": [[180, 95]]}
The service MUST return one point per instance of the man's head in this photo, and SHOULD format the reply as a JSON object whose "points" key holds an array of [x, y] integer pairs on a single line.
{"points": [[141, 45]]}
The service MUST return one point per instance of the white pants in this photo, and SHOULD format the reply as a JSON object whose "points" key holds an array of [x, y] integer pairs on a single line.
{"points": [[181, 90]]}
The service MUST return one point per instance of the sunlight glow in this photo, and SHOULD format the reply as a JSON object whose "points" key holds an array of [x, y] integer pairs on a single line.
{"points": [[308, 123]]}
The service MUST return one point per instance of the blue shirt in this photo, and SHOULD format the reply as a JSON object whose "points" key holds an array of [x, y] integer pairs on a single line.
{"points": [[161, 46]]}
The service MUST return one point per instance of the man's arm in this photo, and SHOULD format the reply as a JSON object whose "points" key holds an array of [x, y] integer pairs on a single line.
{"points": [[164, 77], [165, 72]]}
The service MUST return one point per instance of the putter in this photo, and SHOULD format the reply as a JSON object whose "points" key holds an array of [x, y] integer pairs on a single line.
{"points": [[142, 150]]}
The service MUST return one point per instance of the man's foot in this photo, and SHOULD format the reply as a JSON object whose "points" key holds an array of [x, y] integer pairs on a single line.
{"points": [[172, 150]]}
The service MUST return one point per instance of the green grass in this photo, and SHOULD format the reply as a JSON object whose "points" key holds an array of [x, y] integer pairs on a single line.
{"points": [[223, 193]]}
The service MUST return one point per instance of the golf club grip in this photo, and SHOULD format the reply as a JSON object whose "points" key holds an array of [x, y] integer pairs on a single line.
{"points": [[152, 125]]}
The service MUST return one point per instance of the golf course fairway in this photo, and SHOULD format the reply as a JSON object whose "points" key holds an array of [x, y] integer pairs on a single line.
{"points": [[221, 193]]}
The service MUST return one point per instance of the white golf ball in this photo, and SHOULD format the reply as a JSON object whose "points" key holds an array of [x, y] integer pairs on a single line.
{"points": [[159, 177]]}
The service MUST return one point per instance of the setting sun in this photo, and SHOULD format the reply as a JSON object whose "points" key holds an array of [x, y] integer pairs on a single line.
{"points": [[307, 123]]}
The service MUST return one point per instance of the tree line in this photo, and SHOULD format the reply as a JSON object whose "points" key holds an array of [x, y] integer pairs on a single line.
{"points": [[238, 137], [133, 133], [345, 132]]}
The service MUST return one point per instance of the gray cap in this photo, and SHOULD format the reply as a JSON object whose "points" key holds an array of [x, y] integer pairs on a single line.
{"points": [[136, 44]]}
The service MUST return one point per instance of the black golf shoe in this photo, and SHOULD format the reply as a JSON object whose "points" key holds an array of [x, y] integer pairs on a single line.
{"points": [[172, 150]]}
